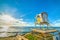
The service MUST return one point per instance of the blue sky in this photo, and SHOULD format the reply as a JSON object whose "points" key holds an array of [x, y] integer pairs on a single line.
{"points": [[27, 9]]}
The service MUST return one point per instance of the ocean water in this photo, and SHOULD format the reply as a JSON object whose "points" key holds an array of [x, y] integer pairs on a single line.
{"points": [[11, 31], [24, 30]]}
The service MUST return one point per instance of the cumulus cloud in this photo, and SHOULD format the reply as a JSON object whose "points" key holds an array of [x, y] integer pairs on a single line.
{"points": [[8, 20]]}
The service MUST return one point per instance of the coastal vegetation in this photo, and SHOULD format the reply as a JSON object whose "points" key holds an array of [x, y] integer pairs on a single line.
{"points": [[34, 36]]}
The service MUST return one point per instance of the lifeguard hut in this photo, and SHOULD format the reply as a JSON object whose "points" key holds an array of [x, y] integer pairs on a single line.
{"points": [[42, 19]]}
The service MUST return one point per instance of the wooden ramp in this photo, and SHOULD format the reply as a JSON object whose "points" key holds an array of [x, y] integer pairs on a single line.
{"points": [[43, 31], [19, 37]]}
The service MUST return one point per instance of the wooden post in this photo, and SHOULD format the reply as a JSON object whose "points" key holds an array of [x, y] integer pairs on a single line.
{"points": [[59, 35]]}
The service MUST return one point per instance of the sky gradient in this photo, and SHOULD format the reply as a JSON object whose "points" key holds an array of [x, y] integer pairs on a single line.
{"points": [[28, 9]]}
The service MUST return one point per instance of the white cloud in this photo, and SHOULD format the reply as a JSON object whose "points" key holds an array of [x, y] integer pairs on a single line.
{"points": [[56, 23], [8, 20]]}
